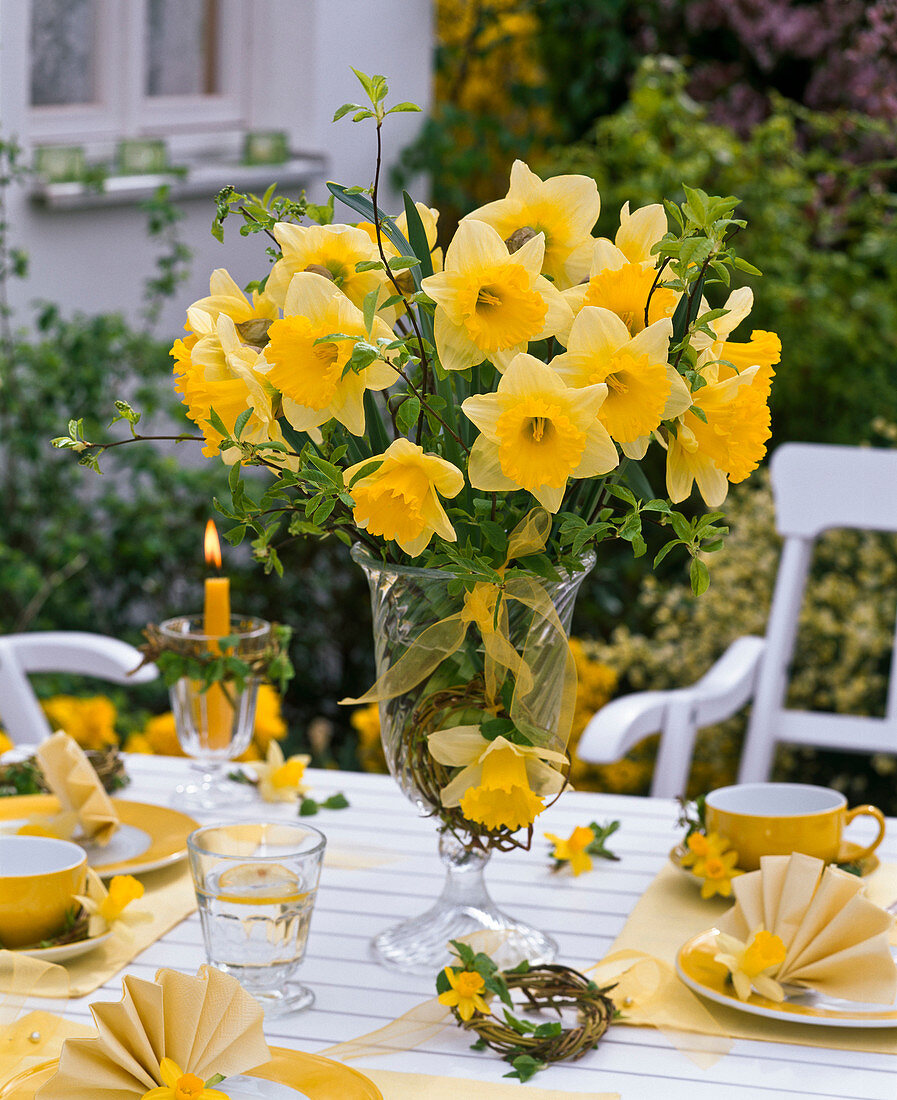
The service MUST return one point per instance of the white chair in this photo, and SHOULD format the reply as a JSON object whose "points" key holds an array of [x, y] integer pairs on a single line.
{"points": [[57, 651], [815, 488]]}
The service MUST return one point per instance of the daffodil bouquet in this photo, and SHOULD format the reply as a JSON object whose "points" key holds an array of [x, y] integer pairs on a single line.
{"points": [[482, 415]]}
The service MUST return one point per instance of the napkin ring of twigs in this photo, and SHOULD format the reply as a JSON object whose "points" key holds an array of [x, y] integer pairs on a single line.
{"points": [[549, 987]]}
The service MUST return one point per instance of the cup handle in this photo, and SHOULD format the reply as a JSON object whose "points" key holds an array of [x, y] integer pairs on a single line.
{"points": [[869, 811]]}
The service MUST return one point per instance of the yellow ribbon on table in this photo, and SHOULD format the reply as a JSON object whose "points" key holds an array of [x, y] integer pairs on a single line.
{"points": [[545, 674]]}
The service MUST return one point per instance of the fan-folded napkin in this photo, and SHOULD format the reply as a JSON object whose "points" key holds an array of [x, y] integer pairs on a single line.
{"points": [[206, 1024], [74, 781], [836, 940]]}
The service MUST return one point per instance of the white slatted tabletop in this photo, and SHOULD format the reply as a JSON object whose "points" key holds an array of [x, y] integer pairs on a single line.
{"points": [[355, 996]]}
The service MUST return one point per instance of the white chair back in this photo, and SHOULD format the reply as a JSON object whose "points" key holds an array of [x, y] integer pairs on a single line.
{"points": [[57, 651], [816, 488]]}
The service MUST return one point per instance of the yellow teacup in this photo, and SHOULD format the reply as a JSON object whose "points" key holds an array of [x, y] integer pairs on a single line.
{"points": [[38, 878], [776, 819]]}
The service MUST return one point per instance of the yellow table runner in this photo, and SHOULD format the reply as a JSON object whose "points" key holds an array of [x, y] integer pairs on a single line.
{"points": [[668, 914]]}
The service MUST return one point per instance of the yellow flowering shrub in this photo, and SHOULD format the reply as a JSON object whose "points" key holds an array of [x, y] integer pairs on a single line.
{"points": [[90, 721]]}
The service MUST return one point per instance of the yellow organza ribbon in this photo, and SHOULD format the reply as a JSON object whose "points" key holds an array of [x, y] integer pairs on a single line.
{"points": [[544, 673]]}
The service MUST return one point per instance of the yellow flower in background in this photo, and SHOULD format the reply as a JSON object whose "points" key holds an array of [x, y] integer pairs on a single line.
{"points": [[753, 964], [5, 742], [642, 387], [727, 444], [309, 375], [400, 498], [573, 850], [90, 721], [563, 208], [269, 720], [536, 432], [177, 1085], [331, 252], [500, 783], [717, 871], [366, 723], [490, 304], [161, 735], [280, 779], [466, 994]]}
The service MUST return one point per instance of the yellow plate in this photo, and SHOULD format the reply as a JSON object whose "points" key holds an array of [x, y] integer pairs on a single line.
{"points": [[695, 966], [315, 1077], [846, 855], [150, 837]]}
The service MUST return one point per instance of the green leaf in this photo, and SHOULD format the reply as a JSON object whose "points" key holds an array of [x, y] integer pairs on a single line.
{"points": [[308, 807], [363, 205], [525, 1066], [407, 416], [365, 81], [369, 265], [367, 468], [240, 422], [369, 308], [700, 577], [400, 263], [417, 236], [407, 106], [335, 802], [344, 110]]}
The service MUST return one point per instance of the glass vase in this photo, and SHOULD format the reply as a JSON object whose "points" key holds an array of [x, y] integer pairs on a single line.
{"points": [[406, 601]]}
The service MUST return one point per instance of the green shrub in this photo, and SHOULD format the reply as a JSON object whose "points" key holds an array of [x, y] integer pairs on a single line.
{"points": [[822, 230]]}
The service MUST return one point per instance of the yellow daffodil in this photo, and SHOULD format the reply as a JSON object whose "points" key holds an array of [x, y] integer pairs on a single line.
{"points": [[332, 252], [226, 297], [701, 846], [725, 445], [720, 357], [466, 994], [573, 850], [642, 387], [309, 375], [429, 218], [228, 376], [490, 304], [753, 964], [622, 273], [5, 743], [90, 721], [717, 872], [399, 500], [269, 721], [280, 779], [563, 208], [106, 908], [536, 432], [500, 784], [177, 1085]]}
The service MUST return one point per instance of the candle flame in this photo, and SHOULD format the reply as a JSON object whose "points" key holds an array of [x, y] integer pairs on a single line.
{"points": [[212, 545]]}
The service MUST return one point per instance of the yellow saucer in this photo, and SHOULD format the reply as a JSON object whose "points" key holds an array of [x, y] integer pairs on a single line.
{"points": [[847, 854], [315, 1077], [164, 832]]}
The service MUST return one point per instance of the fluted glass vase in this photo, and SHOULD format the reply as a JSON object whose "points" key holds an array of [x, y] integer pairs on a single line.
{"points": [[406, 603]]}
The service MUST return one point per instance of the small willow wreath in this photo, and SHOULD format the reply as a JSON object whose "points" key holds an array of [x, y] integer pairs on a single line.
{"points": [[527, 1046]]}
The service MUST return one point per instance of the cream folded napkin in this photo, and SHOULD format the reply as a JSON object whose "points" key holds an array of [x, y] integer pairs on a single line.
{"points": [[836, 940], [74, 781], [205, 1024]]}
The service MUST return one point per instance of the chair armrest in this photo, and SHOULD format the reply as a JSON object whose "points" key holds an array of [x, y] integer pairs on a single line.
{"points": [[720, 692], [80, 653]]}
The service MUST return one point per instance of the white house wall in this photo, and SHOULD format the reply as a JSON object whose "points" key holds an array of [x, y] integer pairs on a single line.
{"points": [[97, 259]]}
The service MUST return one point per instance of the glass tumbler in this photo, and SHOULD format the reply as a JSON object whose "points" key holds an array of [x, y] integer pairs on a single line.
{"points": [[214, 724], [255, 885]]}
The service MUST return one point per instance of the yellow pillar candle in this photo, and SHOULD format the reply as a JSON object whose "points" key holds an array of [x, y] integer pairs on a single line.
{"points": [[216, 623]]}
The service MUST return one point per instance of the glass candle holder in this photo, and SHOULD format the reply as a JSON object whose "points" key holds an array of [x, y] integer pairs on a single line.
{"points": [[214, 723]]}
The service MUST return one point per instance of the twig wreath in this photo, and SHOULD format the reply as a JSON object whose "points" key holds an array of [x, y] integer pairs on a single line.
{"points": [[528, 1046]]}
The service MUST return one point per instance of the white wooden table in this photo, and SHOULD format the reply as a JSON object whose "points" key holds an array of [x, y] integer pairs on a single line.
{"points": [[355, 995]]}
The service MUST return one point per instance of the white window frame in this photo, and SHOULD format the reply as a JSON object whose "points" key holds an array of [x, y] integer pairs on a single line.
{"points": [[123, 110]]}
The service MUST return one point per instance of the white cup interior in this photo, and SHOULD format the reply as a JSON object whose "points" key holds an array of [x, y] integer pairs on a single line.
{"points": [[775, 799], [37, 855]]}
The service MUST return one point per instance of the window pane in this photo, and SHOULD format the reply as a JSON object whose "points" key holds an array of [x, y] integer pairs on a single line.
{"points": [[182, 47], [62, 52]]}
